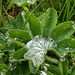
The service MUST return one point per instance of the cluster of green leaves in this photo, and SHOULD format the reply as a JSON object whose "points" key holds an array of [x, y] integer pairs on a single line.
{"points": [[29, 46]]}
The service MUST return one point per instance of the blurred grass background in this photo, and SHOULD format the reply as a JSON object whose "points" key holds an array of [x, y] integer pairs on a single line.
{"points": [[65, 9]]}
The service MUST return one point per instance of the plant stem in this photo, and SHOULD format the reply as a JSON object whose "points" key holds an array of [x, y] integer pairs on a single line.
{"points": [[31, 14], [52, 60]]}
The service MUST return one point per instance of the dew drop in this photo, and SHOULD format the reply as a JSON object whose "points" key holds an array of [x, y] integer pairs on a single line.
{"points": [[23, 13], [43, 73], [15, 38], [1, 73], [67, 48], [37, 48], [22, 1]]}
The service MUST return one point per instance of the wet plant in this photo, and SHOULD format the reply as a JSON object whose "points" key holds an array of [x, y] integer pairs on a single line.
{"points": [[29, 46]]}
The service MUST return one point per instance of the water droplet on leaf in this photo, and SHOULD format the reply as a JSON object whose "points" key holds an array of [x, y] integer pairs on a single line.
{"points": [[37, 48]]}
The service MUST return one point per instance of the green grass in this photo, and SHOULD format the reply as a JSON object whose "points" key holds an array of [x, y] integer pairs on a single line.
{"points": [[67, 12], [0, 11]]}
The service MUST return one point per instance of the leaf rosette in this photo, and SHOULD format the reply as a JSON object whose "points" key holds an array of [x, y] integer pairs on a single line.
{"points": [[50, 42]]}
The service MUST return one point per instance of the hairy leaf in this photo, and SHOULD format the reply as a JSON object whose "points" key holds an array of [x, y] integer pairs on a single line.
{"points": [[49, 22], [63, 31], [67, 43], [60, 66], [34, 24], [66, 46], [19, 21], [65, 67], [21, 34], [55, 70], [52, 60], [64, 51], [19, 54]]}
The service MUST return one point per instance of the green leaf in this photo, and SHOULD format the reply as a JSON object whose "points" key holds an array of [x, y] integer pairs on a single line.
{"points": [[55, 70], [1, 46], [18, 43], [65, 67], [34, 24], [20, 69], [52, 60], [19, 21], [64, 51], [66, 46], [19, 54], [21, 34], [22, 3], [32, 68], [37, 48], [60, 66], [2, 67], [49, 22], [63, 31], [54, 52], [7, 24], [70, 42]]}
